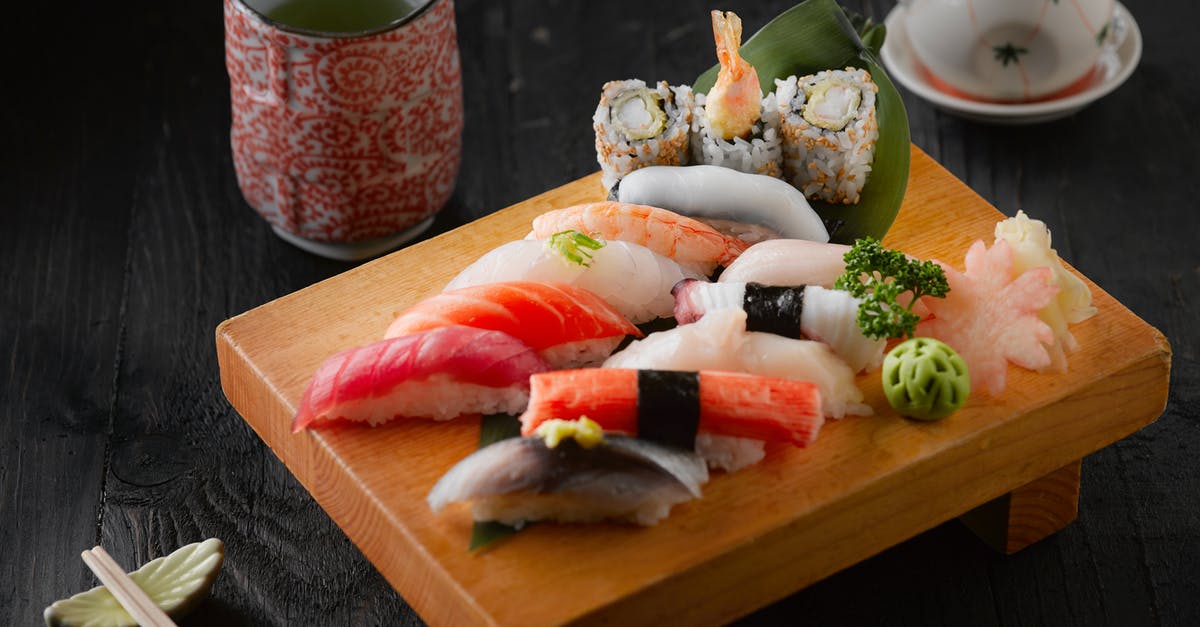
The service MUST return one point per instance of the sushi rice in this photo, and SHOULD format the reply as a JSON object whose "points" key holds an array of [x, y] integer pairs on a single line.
{"points": [[827, 164], [761, 154]]}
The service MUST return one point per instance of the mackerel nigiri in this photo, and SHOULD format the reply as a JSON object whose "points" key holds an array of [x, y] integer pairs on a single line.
{"points": [[438, 374], [671, 407], [635, 280], [566, 325], [692, 243], [813, 312], [522, 479]]}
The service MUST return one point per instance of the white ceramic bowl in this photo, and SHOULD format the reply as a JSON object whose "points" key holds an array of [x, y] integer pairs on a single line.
{"points": [[1117, 62], [1008, 50]]}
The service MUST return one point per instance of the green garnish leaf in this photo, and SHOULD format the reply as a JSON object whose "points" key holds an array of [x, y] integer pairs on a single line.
{"points": [[878, 276], [493, 428], [574, 246]]}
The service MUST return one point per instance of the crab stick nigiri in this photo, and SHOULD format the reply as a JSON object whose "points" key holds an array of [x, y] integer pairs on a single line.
{"points": [[671, 407]]}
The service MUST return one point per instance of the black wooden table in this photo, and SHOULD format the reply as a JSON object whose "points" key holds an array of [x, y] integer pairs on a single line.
{"points": [[125, 242]]}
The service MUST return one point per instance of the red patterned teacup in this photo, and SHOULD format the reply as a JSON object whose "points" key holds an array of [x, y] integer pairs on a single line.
{"points": [[346, 143]]}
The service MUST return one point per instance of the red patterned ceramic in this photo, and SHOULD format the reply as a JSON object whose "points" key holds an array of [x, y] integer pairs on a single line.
{"points": [[343, 139]]}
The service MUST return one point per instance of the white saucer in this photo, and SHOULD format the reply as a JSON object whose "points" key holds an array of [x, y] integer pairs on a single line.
{"points": [[1116, 63], [354, 251]]}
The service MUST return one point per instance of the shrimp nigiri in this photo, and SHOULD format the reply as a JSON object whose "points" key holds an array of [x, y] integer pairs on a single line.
{"points": [[566, 325], [734, 103], [689, 242]]}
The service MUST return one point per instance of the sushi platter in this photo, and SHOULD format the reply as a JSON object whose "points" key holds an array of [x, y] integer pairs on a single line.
{"points": [[1008, 464]]}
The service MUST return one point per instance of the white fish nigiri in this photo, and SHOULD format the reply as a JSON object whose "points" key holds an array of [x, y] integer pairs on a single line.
{"points": [[712, 192], [719, 341], [788, 262], [518, 480], [635, 280], [816, 313]]}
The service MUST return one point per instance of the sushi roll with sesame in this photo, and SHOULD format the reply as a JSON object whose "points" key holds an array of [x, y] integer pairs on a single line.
{"points": [[734, 125], [829, 131], [637, 126]]}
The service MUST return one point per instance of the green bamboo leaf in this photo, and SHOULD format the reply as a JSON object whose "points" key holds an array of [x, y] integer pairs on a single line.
{"points": [[176, 583], [817, 35], [492, 429]]}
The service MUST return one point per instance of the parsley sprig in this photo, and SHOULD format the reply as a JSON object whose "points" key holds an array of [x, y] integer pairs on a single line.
{"points": [[878, 276]]}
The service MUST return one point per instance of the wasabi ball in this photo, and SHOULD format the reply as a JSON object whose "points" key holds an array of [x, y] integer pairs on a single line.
{"points": [[925, 379]]}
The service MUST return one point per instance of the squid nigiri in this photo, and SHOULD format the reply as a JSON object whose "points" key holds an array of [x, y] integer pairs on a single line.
{"points": [[438, 374], [635, 280], [813, 312], [672, 407], [518, 480], [691, 243], [566, 325], [709, 192], [719, 341], [788, 262]]}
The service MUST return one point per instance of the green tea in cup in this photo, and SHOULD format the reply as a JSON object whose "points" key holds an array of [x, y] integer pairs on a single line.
{"points": [[336, 16]]}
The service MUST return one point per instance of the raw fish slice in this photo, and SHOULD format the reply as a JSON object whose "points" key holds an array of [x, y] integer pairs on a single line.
{"points": [[788, 262], [690, 243], [518, 480], [719, 341], [567, 325], [635, 280], [714, 192], [816, 313], [439, 374], [730, 403]]}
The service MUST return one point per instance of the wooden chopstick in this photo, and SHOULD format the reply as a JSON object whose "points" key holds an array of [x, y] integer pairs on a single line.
{"points": [[128, 594]]}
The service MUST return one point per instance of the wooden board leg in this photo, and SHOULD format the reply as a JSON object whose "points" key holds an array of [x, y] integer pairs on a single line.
{"points": [[1029, 513]]}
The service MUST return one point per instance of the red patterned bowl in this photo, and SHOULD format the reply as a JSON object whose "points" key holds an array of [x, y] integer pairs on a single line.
{"points": [[346, 143]]}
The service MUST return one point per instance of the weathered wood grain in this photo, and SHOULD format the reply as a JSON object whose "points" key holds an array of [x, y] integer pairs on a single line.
{"points": [[117, 111]]}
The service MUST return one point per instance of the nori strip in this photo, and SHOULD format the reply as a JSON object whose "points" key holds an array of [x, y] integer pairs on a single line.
{"points": [[493, 428], [668, 407], [772, 309]]}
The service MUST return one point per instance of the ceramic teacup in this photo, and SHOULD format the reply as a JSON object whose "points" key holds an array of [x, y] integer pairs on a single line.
{"points": [[347, 143], [1008, 50]]}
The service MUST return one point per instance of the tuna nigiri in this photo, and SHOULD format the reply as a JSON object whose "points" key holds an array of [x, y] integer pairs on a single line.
{"points": [[719, 341], [438, 374], [673, 406], [518, 480], [566, 325], [635, 280], [828, 316], [691, 243]]}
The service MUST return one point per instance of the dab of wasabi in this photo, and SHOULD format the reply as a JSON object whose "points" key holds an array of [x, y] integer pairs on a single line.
{"points": [[925, 379], [586, 432]]}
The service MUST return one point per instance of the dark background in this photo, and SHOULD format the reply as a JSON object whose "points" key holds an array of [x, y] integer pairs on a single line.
{"points": [[125, 242]]}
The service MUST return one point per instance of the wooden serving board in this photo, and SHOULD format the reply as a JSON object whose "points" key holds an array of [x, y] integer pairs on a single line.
{"points": [[757, 535]]}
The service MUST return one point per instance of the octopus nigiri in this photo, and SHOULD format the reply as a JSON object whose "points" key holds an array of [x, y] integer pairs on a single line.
{"points": [[691, 243], [813, 312]]}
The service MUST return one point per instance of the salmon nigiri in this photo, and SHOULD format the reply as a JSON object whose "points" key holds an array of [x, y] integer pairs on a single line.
{"points": [[566, 325], [437, 374], [689, 242], [673, 406]]}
